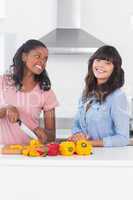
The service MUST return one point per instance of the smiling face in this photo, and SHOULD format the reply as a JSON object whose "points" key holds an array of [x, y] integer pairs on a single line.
{"points": [[102, 70], [35, 60]]}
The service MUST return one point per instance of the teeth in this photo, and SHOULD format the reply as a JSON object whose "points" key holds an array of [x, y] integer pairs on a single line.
{"points": [[38, 66], [101, 71]]}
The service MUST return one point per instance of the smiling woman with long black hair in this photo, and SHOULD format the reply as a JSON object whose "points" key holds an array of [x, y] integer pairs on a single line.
{"points": [[102, 115], [24, 92]]}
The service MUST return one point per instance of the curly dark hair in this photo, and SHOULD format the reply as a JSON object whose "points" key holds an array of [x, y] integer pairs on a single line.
{"points": [[16, 71], [115, 81]]}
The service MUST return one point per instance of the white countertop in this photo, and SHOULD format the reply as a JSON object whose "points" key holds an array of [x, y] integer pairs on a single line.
{"points": [[116, 156]]}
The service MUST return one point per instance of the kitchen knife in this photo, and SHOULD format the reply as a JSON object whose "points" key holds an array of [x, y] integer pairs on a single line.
{"points": [[26, 130]]}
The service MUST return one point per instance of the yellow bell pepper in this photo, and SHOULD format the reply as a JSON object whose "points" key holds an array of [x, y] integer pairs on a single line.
{"points": [[35, 143], [16, 146], [34, 153], [67, 148], [25, 152], [83, 147]]}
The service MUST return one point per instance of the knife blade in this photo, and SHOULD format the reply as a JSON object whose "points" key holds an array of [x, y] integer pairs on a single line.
{"points": [[26, 129]]}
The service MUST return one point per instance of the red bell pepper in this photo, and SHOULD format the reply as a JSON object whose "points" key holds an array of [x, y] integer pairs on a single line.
{"points": [[53, 149]]}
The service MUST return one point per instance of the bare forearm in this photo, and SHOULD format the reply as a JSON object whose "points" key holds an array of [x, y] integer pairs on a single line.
{"points": [[51, 136], [2, 112], [96, 143], [49, 125], [45, 135]]}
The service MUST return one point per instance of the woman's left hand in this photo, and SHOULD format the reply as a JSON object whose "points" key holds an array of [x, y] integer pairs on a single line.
{"points": [[78, 136], [96, 143], [41, 134]]}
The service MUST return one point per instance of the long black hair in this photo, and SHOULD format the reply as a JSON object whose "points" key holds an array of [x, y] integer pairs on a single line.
{"points": [[115, 81], [16, 72]]}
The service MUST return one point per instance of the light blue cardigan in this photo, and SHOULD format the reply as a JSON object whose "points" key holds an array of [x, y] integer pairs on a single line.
{"points": [[108, 121]]}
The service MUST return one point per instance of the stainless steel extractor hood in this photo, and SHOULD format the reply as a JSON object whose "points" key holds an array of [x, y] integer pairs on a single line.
{"points": [[68, 37]]}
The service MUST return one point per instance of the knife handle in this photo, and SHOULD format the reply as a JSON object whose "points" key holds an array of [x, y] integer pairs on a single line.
{"points": [[19, 122]]}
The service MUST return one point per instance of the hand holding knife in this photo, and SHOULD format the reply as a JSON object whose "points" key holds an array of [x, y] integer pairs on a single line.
{"points": [[26, 129]]}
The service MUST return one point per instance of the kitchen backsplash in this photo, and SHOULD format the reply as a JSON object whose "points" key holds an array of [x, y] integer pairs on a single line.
{"points": [[67, 73]]}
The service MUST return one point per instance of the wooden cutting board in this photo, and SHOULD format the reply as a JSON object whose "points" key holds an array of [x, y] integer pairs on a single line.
{"points": [[8, 150]]}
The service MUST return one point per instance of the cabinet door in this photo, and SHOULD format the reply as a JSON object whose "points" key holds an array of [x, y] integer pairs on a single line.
{"points": [[2, 50], [7, 50], [2, 9]]}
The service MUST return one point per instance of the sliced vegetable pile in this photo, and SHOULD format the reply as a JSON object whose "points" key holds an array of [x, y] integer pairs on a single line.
{"points": [[35, 148]]}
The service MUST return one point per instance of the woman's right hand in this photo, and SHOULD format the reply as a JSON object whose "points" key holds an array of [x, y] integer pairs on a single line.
{"points": [[12, 114], [78, 136]]}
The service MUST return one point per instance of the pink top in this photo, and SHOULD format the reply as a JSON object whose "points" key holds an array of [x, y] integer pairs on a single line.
{"points": [[29, 105]]}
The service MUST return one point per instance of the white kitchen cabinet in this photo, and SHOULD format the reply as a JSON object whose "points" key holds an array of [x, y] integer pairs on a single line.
{"points": [[1, 54], [65, 183], [7, 49], [106, 174], [2, 9]]}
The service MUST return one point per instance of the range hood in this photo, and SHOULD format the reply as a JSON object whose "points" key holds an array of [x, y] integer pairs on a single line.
{"points": [[68, 37]]}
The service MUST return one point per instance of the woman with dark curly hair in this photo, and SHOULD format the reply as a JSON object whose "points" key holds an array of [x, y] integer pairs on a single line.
{"points": [[24, 92], [102, 115]]}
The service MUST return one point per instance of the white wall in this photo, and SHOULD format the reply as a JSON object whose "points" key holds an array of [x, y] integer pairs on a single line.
{"points": [[23, 20], [29, 19], [2, 9], [107, 20], [1, 53], [67, 74], [110, 22], [7, 50]]}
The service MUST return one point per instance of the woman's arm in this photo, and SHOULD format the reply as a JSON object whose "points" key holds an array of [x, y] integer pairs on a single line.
{"points": [[120, 117], [83, 136], [47, 134], [10, 112], [96, 143], [49, 125], [2, 112]]}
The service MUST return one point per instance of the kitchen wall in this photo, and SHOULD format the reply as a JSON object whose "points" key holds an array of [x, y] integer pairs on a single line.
{"points": [[110, 22], [7, 50], [29, 19], [23, 20], [67, 74]]}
